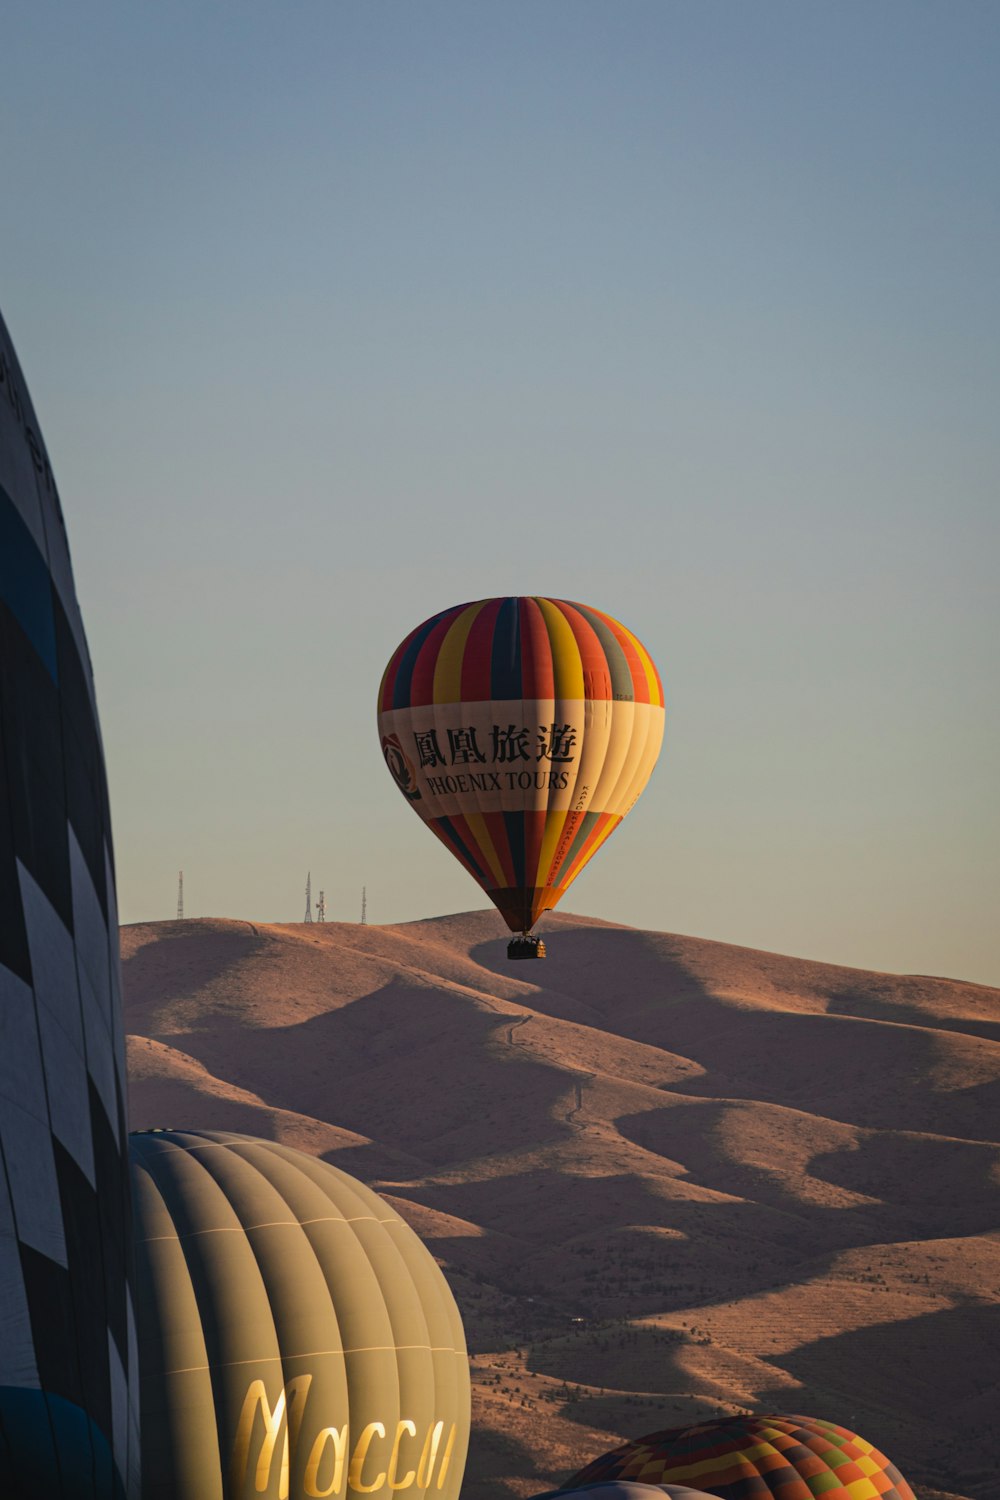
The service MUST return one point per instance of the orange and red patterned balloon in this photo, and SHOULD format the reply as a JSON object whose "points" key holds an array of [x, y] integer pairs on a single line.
{"points": [[755, 1458], [521, 730]]}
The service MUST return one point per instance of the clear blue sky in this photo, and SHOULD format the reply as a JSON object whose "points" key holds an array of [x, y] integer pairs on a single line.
{"points": [[338, 313]]}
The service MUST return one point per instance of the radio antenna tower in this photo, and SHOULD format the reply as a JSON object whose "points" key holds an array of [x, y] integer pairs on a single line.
{"points": [[180, 894], [364, 906], [309, 902]]}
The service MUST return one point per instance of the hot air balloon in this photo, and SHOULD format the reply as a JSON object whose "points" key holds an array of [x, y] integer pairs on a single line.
{"points": [[69, 1399], [754, 1457], [521, 731], [624, 1489], [296, 1338]]}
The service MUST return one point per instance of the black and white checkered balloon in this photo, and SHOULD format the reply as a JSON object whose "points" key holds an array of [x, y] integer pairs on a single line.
{"points": [[68, 1391]]}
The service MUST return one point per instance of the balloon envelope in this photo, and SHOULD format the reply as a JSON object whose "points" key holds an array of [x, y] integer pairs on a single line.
{"points": [[69, 1390], [752, 1457], [296, 1338], [521, 730], [623, 1489]]}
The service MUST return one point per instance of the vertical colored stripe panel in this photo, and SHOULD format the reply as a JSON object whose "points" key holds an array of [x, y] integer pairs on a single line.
{"points": [[497, 826], [567, 834], [537, 674], [601, 832], [567, 666], [534, 834], [425, 663], [448, 834], [578, 853], [616, 767], [505, 661], [466, 831], [448, 668], [644, 750], [514, 822], [545, 898], [632, 643], [555, 823], [622, 687], [653, 683], [585, 826], [480, 835], [593, 658], [640, 680], [473, 683], [404, 667]]}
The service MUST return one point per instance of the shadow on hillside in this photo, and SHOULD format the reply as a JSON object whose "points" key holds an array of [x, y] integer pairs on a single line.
{"points": [[629, 1414], [621, 977], [850, 1002], [859, 1072], [856, 1063], [496, 1457], [594, 1247], [173, 1104], [186, 956], [936, 1187], [689, 1134], [426, 1071], [632, 1360], [926, 1395], [925, 1185], [924, 1391]]}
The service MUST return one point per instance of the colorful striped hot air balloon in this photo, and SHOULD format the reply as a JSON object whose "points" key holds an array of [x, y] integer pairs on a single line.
{"points": [[521, 730], [755, 1458]]}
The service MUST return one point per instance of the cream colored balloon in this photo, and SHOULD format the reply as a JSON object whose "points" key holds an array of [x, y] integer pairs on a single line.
{"points": [[296, 1338]]}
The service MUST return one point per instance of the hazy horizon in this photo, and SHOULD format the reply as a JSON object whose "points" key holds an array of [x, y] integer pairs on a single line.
{"points": [[336, 316]]}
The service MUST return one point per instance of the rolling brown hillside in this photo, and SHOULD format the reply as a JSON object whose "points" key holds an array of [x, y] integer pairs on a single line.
{"points": [[667, 1178]]}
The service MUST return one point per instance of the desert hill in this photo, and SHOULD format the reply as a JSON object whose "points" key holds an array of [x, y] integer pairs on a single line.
{"points": [[667, 1178]]}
